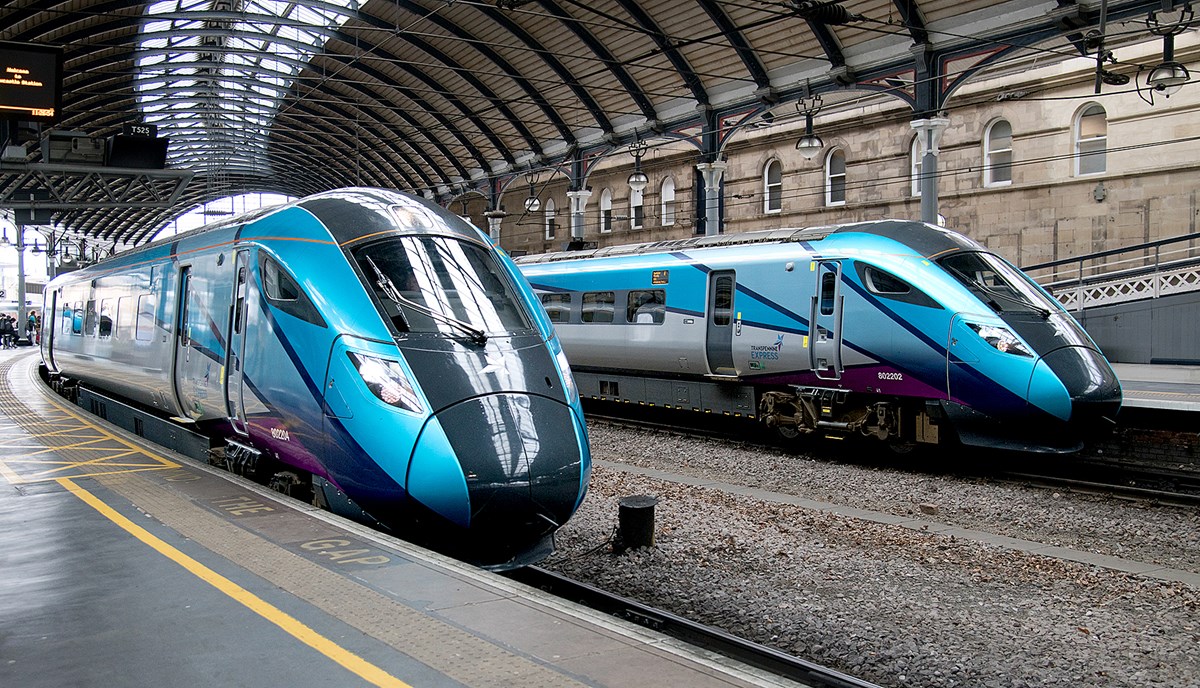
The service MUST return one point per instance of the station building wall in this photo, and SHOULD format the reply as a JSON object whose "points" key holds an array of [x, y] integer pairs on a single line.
{"points": [[1048, 210]]}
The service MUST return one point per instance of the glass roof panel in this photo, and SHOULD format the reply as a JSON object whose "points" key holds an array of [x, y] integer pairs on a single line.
{"points": [[198, 76]]}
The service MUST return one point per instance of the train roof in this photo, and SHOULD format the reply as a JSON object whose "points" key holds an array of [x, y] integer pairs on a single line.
{"points": [[925, 239]]}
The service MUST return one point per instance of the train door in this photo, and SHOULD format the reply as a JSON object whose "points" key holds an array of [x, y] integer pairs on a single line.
{"points": [[719, 339], [825, 319], [189, 365], [235, 353], [49, 327]]}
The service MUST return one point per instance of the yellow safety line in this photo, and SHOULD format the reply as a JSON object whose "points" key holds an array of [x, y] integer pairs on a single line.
{"points": [[352, 662]]}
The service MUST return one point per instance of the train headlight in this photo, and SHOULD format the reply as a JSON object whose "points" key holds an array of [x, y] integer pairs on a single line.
{"points": [[386, 380], [564, 369], [1001, 338]]}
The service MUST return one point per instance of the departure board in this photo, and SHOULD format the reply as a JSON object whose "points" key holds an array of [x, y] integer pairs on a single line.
{"points": [[30, 82]]}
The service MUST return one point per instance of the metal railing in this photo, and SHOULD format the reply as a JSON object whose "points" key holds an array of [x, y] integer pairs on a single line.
{"points": [[1130, 273]]}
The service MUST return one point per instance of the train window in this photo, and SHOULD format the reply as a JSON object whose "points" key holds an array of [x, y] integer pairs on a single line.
{"points": [[880, 282], [598, 306], [442, 285], [66, 315], [891, 287], [89, 324], [283, 292], [722, 301], [145, 317], [77, 318], [646, 306], [828, 287], [124, 318], [106, 319], [558, 307], [999, 284]]}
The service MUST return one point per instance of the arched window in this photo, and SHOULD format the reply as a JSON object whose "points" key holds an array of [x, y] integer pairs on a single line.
{"points": [[835, 177], [914, 170], [773, 187], [997, 154], [1091, 140], [637, 213], [667, 200], [606, 215], [550, 223]]}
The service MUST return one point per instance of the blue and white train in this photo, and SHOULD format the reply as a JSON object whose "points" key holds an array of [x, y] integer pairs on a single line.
{"points": [[898, 330], [363, 341]]}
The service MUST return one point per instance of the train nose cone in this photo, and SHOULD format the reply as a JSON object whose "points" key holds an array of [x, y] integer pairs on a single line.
{"points": [[523, 460], [1093, 387]]}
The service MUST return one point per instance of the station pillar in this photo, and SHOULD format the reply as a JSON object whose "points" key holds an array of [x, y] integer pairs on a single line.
{"points": [[578, 201], [712, 173], [929, 132], [494, 218]]}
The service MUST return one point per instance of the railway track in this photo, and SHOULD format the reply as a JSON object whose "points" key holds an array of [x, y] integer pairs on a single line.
{"points": [[706, 637], [1170, 483]]}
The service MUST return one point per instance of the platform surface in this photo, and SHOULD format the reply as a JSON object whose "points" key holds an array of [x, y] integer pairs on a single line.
{"points": [[1167, 387], [127, 565]]}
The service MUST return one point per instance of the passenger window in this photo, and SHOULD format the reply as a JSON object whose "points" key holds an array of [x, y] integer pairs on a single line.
{"points": [[723, 301], [106, 319], [598, 306], [66, 316], [646, 306], [89, 325], [880, 282], [145, 317], [828, 286], [558, 307], [77, 319], [124, 319], [283, 292]]}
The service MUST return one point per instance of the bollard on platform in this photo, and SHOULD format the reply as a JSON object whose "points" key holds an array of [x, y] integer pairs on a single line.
{"points": [[635, 516]]}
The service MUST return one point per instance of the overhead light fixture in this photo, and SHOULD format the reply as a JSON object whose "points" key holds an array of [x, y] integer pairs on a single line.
{"points": [[1169, 76], [810, 144], [4, 239], [638, 180], [532, 204]]}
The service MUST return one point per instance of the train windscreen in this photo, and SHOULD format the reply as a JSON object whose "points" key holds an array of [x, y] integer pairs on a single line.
{"points": [[998, 283], [441, 284]]}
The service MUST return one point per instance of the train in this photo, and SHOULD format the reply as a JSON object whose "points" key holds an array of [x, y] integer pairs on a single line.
{"points": [[364, 345], [896, 330]]}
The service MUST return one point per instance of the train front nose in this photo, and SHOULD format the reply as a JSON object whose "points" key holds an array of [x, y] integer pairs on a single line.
{"points": [[1091, 384], [523, 460]]}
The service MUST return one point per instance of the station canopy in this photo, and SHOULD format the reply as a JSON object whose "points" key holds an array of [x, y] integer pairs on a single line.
{"points": [[453, 97]]}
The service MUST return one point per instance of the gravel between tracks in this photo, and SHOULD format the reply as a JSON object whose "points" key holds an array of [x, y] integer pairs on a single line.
{"points": [[895, 606]]}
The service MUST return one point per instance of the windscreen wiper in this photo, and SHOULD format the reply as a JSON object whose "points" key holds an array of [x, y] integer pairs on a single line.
{"points": [[389, 289]]}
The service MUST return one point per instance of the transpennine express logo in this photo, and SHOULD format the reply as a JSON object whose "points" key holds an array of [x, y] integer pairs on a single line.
{"points": [[767, 353]]}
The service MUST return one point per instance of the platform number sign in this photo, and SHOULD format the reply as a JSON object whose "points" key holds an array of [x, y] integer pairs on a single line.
{"points": [[3, 293]]}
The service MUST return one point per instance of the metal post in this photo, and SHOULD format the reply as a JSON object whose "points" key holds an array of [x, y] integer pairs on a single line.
{"points": [[494, 218], [578, 201], [21, 315], [930, 134], [712, 171]]}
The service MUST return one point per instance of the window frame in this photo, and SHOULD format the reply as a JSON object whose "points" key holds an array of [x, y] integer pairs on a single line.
{"points": [[606, 211], [1079, 142], [916, 162], [990, 153], [637, 209], [550, 223], [835, 181], [666, 201], [772, 189]]}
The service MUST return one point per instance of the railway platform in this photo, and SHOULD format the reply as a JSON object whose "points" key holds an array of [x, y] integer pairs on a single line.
{"points": [[126, 564], [1164, 387]]}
